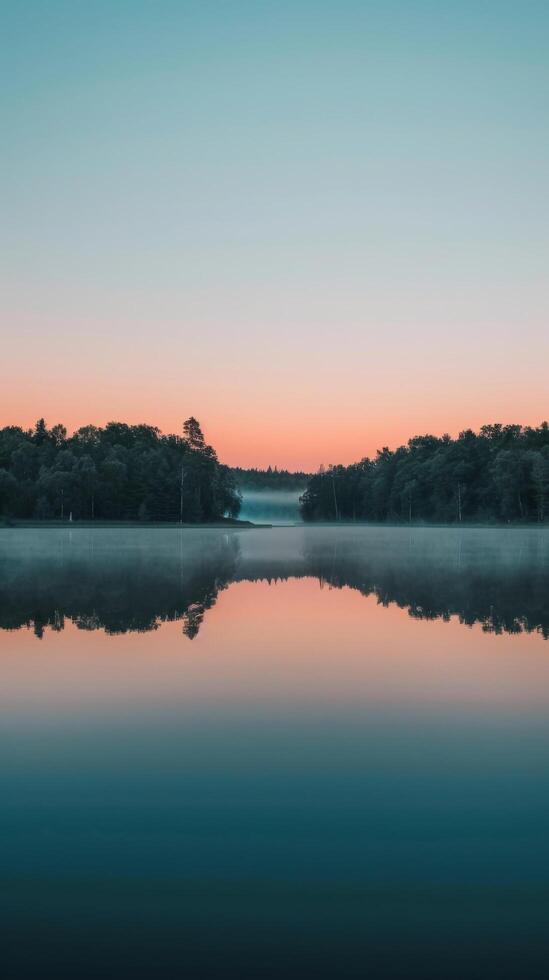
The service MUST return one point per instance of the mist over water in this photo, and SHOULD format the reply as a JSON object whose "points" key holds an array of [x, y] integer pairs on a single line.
{"points": [[271, 506], [121, 580]]}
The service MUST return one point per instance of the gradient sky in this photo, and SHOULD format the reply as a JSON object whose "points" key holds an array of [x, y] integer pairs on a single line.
{"points": [[321, 227]]}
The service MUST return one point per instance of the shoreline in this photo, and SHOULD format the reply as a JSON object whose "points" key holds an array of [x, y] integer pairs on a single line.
{"points": [[235, 525], [228, 525]]}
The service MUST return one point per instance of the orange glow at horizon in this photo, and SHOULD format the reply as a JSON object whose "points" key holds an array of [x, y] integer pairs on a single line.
{"points": [[287, 441]]}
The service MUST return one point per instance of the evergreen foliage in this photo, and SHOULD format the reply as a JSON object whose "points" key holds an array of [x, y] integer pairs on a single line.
{"points": [[119, 472], [498, 474], [270, 479]]}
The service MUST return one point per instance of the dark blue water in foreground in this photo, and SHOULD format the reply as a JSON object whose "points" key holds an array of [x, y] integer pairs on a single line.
{"points": [[275, 779]]}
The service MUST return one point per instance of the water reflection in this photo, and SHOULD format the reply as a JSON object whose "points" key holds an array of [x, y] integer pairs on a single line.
{"points": [[317, 787], [123, 581]]}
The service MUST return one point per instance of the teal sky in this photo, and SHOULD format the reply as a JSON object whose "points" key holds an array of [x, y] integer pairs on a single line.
{"points": [[320, 227]]}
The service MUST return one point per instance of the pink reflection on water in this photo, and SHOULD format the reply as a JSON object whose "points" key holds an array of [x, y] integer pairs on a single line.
{"points": [[292, 643]]}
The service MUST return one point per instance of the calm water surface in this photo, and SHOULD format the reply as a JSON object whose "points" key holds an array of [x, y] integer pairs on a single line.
{"points": [[297, 752]]}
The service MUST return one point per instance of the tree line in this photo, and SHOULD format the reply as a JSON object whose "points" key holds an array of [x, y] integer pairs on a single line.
{"points": [[270, 479], [134, 472], [499, 474], [119, 472]]}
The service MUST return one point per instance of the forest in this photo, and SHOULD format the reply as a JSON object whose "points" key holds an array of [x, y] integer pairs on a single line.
{"points": [[270, 479], [119, 472], [499, 474], [135, 473]]}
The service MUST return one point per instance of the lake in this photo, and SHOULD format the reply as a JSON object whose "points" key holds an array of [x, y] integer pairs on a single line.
{"points": [[290, 752]]}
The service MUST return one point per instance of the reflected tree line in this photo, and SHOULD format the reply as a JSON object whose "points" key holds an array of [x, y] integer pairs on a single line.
{"points": [[499, 474], [114, 591], [119, 593]]}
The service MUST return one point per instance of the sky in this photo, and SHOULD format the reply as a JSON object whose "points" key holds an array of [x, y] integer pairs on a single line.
{"points": [[320, 227]]}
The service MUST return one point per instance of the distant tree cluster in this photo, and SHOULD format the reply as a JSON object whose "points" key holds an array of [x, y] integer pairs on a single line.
{"points": [[119, 472], [498, 474], [269, 479]]}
